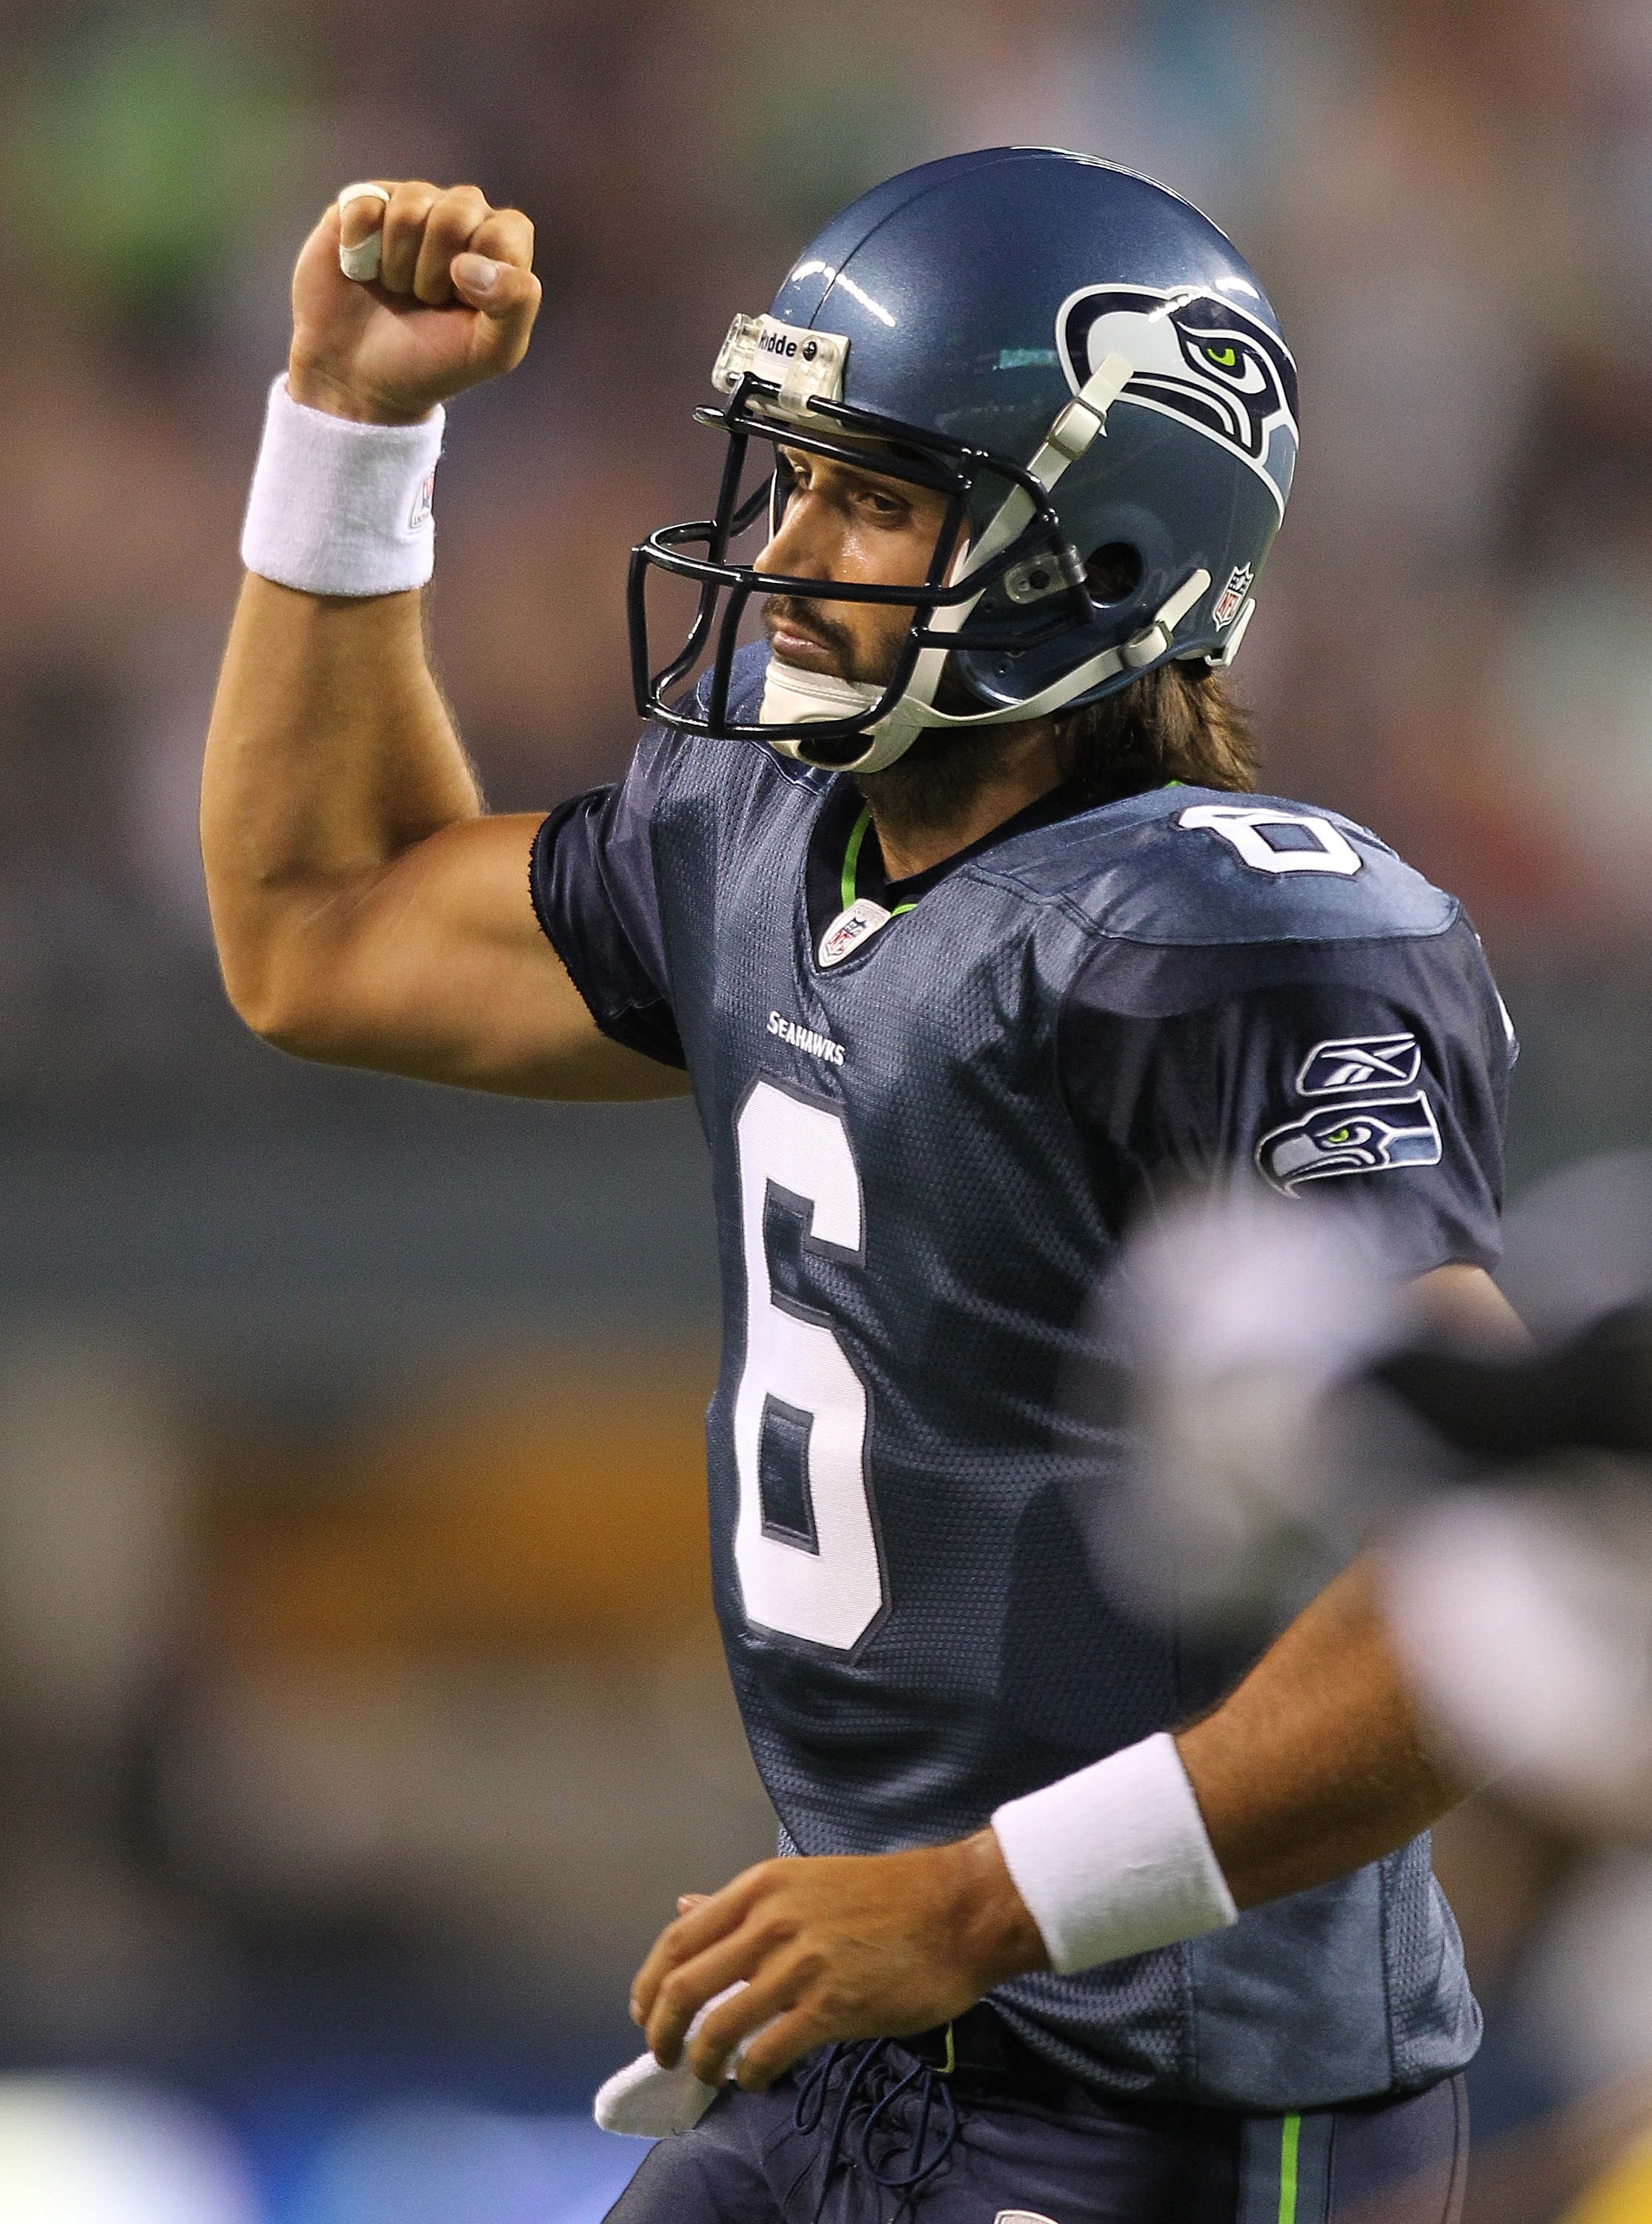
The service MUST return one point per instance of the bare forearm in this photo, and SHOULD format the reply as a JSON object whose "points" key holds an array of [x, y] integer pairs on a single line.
{"points": [[1316, 1765], [330, 752], [330, 748], [1319, 1761]]}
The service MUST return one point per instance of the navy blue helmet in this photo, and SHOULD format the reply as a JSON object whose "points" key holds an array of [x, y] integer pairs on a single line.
{"points": [[1083, 365]]}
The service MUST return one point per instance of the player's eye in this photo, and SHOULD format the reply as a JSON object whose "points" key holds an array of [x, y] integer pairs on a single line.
{"points": [[887, 508]]}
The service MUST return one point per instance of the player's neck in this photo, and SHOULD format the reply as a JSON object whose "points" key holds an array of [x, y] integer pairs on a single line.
{"points": [[952, 789]]}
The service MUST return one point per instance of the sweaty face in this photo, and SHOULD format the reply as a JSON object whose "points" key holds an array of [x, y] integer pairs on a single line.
{"points": [[842, 522]]}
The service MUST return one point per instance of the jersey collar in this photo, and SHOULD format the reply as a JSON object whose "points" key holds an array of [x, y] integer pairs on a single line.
{"points": [[845, 864]]}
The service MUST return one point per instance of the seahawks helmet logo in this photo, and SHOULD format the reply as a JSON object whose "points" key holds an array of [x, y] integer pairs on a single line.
{"points": [[1350, 1139], [1196, 358]]}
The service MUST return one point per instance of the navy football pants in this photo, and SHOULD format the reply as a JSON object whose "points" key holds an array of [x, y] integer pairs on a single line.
{"points": [[1010, 2159]]}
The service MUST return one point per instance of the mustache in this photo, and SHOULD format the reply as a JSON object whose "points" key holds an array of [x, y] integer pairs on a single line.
{"points": [[804, 617]]}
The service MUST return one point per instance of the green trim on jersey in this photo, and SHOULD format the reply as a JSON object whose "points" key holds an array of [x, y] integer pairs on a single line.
{"points": [[852, 854], [1288, 2137], [852, 863]]}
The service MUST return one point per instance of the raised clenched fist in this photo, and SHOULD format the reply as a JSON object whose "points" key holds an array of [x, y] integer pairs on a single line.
{"points": [[453, 303]]}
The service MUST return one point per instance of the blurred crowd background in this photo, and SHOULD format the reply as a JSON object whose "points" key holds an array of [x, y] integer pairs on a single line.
{"points": [[360, 1709]]}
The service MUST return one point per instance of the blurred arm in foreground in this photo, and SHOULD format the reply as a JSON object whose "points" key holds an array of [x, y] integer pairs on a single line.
{"points": [[1323, 1759]]}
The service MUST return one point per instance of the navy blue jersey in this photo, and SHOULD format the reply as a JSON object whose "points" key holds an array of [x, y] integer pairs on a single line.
{"points": [[924, 1154]]}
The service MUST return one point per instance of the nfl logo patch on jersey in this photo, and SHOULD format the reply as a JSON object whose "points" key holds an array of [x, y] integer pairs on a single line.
{"points": [[1233, 595], [851, 928]]}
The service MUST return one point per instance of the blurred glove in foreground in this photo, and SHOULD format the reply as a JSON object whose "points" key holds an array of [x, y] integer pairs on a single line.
{"points": [[1289, 1405]]}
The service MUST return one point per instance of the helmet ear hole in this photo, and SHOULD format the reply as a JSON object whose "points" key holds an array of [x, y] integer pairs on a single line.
{"points": [[1114, 571]]}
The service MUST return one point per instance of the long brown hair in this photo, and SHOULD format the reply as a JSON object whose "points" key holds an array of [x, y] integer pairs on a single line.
{"points": [[1175, 723]]}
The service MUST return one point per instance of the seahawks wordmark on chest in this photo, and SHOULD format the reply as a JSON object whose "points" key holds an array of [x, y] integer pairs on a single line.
{"points": [[806, 1039]]}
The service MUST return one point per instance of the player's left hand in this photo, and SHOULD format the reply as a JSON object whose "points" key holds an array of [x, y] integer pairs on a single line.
{"points": [[868, 1946]]}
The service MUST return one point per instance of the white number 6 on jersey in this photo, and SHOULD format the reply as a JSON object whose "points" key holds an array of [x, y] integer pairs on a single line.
{"points": [[826, 1588]]}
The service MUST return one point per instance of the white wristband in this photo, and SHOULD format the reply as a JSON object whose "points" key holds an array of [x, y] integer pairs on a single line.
{"points": [[339, 508], [1115, 1859]]}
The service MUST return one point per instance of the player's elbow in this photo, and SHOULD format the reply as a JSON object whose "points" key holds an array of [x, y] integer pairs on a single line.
{"points": [[281, 1009], [273, 967], [277, 1020]]}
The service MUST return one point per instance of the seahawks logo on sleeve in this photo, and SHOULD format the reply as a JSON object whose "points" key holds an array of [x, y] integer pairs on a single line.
{"points": [[1353, 1135], [1350, 1139]]}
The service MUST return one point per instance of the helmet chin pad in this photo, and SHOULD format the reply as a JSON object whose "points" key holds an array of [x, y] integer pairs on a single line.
{"points": [[794, 696]]}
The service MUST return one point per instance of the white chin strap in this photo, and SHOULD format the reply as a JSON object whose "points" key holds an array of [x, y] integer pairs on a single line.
{"points": [[793, 697]]}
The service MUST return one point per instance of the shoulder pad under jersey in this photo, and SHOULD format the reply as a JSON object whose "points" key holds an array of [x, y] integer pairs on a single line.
{"points": [[1196, 865]]}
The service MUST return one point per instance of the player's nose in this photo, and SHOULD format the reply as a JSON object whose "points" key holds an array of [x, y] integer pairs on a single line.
{"points": [[805, 543]]}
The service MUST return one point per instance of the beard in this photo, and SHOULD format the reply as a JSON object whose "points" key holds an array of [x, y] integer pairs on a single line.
{"points": [[935, 785], [936, 782]]}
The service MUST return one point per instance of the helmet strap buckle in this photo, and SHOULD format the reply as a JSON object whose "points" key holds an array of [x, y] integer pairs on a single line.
{"points": [[1155, 640], [1085, 416]]}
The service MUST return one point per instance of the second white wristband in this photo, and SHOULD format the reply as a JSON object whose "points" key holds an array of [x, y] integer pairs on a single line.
{"points": [[340, 507], [1115, 1859]]}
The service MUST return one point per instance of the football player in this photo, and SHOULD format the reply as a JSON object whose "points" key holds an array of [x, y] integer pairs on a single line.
{"points": [[951, 904]]}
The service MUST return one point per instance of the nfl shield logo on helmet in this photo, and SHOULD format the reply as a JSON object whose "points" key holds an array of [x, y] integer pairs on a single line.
{"points": [[1233, 595]]}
